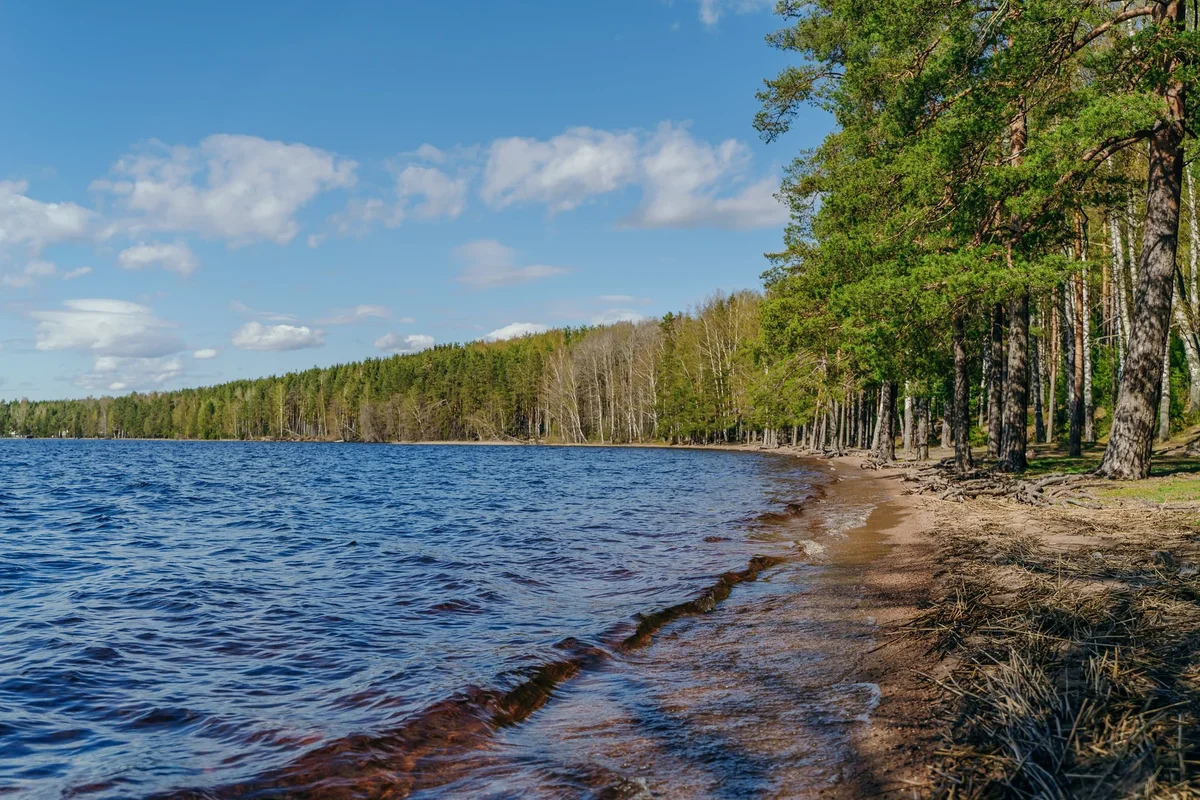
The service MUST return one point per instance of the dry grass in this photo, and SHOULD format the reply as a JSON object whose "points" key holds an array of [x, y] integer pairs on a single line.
{"points": [[1074, 643]]}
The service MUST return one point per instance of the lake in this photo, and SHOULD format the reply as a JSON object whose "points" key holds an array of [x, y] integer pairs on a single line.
{"points": [[232, 619]]}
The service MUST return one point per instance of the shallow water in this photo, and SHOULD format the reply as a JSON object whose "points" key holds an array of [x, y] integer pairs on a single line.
{"points": [[227, 619]]}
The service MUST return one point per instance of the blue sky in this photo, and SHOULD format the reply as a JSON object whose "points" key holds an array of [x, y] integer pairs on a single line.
{"points": [[196, 193]]}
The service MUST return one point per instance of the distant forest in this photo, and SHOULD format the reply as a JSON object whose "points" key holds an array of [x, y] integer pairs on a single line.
{"points": [[702, 377]]}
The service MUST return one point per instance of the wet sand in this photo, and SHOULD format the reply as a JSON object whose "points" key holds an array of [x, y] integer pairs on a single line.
{"points": [[791, 688]]}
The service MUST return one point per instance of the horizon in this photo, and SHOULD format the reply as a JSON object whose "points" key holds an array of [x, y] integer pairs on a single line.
{"points": [[241, 207]]}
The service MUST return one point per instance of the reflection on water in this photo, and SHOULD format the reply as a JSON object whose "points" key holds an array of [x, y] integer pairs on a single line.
{"points": [[226, 619]]}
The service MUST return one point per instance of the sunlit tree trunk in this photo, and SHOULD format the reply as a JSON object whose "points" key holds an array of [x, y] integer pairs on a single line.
{"points": [[1132, 438], [886, 448], [1016, 400], [996, 383]]}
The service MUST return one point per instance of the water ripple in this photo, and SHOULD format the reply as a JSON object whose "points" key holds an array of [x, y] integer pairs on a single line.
{"points": [[195, 614]]}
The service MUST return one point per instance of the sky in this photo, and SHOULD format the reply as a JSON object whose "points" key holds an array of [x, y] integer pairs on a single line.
{"points": [[195, 193]]}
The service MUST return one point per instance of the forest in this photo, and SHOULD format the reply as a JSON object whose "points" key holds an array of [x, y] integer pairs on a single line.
{"points": [[997, 245]]}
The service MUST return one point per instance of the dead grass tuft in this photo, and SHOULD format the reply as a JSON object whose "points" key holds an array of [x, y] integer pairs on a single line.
{"points": [[1074, 653]]}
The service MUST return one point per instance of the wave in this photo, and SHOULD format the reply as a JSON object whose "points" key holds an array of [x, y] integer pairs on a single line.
{"points": [[425, 751]]}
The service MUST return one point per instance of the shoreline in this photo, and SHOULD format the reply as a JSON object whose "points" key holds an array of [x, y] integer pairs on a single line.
{"points": [[1034, 649], [897, 558]]}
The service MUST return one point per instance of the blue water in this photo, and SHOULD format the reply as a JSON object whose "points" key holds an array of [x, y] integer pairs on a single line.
{"points": [[187, 615]]}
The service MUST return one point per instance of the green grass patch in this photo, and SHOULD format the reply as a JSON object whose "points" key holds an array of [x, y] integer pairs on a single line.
{"points": [[1177, 488]]}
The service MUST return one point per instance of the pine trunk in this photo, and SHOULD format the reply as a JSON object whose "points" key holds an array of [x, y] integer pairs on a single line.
{"points": [[1132, 438], [1016, 398], [907, 434], [1055, 360], [1075, 445], [1035, 355], [1164, 396], [960, 411], [922, 432], [996, 383], [886, 448]]}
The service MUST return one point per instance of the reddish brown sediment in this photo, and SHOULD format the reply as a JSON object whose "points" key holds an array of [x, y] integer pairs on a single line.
{"points": [[706, 602], [874, 580], [425, 751]]}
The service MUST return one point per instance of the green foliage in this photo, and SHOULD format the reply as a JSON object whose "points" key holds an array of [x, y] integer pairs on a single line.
{"points": [[697, 377]]}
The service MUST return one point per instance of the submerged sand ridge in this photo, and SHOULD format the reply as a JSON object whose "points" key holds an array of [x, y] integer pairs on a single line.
{"points": [[767, 684], [773, 694]]}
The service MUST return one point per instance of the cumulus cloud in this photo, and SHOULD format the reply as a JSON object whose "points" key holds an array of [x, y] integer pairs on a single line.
{"points": [[107, 328], [361, 313], [421, 192], [489, 264], [712, 10], [686, 183], [171, 256], [35, 224], [79, 272], [562, 172], [440, 195], [394, 343], [684, 186], [516, 330], [238, 188], [276, 338], [205, 353], [119, 374]]}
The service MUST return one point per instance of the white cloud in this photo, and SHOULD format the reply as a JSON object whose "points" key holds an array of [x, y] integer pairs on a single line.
{"points": [[351, 316], [41, 269], [269, 316], [205, 353], [34, 224], [171, 256], [489, 264], [684, 179], [437, 196], [711, 10], [562, 172], [314, 240], [20, 281], [76, 273], [120, 374], [256, 336], [685, 183], [441, 195], [239, 188], [107, 328], [615, 315], [28, 277], [515, 330], [394, 343]]}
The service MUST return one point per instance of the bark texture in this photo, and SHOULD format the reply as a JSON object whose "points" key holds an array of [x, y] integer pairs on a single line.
{"points": [[996, 383], [886, 448], [1016, 398], [961, 413], [1127, 456]]}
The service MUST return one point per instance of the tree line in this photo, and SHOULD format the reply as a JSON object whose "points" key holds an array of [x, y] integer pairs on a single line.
{"points": [[1003, 195], [695, 378]]}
